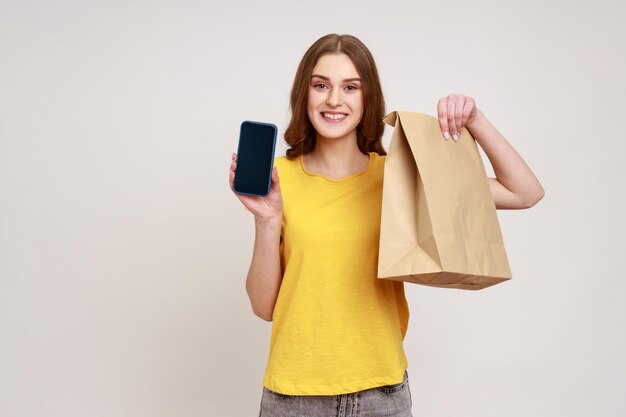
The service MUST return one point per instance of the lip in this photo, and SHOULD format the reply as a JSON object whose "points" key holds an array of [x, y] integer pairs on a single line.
{"points": [[333, 112]]}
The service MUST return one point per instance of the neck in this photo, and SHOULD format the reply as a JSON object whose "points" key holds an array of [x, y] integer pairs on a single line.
{"points": [[332, 154], [336, 158]]}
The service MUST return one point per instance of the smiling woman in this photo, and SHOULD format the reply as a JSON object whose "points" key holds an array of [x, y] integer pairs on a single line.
{"points": [[350, 86], [337, 75], [335, 102], [337, 330]]}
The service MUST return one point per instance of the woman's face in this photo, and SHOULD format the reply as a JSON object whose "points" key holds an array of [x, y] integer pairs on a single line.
{"points": [[335, 87]]}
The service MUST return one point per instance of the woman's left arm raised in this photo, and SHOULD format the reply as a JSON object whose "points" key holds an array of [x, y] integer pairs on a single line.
{"points": [[515, 185]]}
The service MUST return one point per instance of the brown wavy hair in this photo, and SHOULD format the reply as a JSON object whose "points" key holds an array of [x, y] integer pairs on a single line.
{"points": [[300, 134]]}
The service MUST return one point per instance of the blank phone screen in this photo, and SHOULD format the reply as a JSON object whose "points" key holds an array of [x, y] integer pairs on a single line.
{"points": [[255, 157]]}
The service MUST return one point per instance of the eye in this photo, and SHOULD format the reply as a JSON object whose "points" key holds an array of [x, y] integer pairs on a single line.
{"points": [[353, 87], [315, 85]]}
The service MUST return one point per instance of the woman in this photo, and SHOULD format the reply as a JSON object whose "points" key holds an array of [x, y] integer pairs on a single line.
{"points": [[336, 346]]}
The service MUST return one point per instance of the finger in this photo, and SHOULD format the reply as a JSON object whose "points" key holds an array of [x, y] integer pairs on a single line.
{"points": [[232, 175], [450, 116], [467, 109], [275, 180], [443, 120], [458, 115]]}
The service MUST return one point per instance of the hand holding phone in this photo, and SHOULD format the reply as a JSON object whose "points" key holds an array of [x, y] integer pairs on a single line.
{"points": [[265, 207], [255, 158]]}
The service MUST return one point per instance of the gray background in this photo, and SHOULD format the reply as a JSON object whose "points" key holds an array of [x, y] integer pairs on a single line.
{"points": [[123, 252]]}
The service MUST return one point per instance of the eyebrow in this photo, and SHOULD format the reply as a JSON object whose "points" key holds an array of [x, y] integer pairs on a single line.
{"points": [[328, 79]]}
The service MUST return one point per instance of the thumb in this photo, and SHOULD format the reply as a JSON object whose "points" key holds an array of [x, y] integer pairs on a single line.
{"points": [[275, 179]]}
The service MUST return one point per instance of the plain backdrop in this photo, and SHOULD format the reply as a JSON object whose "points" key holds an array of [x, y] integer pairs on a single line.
{"points": [[124, 253]]}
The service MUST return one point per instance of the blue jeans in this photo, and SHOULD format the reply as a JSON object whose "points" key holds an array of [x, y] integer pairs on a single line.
{"points": [[388, 400]]}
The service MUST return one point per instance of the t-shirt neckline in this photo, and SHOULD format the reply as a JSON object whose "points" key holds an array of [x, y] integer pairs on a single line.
{"points": [[337, 180]]}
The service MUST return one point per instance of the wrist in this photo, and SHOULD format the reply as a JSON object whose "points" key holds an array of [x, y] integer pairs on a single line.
{"points": [[275, 220], [477, 120]]}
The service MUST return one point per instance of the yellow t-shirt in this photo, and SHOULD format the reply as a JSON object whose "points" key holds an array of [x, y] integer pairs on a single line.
{"points": [[336, 327]]}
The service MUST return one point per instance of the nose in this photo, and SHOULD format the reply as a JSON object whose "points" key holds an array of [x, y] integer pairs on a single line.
{"points": [[334, 97]]}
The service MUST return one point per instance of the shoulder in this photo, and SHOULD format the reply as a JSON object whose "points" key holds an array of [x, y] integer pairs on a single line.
{"points": [[379, 160], [286, 167], [281, 161]]}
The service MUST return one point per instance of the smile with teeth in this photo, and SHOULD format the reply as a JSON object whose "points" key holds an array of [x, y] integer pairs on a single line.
{"points": [[334, 116]]}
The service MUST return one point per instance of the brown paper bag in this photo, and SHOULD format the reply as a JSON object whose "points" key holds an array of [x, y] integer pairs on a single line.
{"points": [[439, 225]]}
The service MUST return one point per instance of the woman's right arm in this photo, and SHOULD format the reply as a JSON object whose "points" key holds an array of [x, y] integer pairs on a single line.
{"points": [[265, 273]]}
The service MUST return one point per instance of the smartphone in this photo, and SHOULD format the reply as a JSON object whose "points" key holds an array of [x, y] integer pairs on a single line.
{"points": [[255, 158]]}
